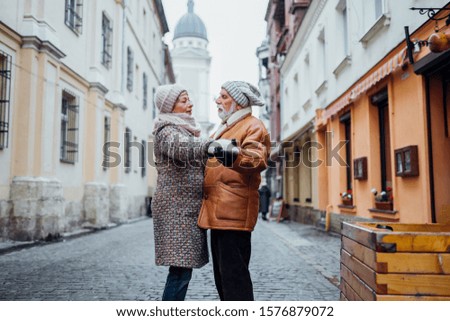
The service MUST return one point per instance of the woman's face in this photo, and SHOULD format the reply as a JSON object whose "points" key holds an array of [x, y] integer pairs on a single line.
{"points": [[183, 104]]}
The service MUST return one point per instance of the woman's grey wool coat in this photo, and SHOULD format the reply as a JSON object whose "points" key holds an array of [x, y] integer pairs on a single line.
{"points": [[180, 159]]}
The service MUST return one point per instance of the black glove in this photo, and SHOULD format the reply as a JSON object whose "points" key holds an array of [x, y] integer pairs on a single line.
{"points": [[225, 150]]}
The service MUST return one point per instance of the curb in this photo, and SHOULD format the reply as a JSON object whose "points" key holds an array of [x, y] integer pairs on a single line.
{"points": [[13, 246]]}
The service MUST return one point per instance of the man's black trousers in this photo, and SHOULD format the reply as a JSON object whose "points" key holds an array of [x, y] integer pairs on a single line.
{"points": [[231, 252]]}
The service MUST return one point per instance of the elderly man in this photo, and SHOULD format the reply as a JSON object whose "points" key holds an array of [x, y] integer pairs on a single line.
{"points": [[232, 178]]}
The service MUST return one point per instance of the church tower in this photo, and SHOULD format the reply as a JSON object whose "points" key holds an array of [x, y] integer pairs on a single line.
{"points": [[191, 63]]}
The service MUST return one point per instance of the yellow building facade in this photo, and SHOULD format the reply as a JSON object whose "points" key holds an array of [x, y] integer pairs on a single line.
{"points": [[395, 122], [76, 113]]}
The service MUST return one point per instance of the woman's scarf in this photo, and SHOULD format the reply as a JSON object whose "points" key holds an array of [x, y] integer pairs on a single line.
{"points": [[183, 120]]}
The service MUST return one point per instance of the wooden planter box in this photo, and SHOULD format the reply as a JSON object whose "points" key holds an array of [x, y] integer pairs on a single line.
{"points": [[385, 206], [347, 202], [409, 262]]}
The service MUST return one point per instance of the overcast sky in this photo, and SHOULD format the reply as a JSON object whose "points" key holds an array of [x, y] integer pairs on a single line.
{"points": [[235, 29]]}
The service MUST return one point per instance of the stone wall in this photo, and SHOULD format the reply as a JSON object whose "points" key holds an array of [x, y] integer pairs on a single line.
{"points": [[96, 204], [136, 207], [304, 214], [5, 212], [118, 203], [338, 218], [74, 215], [311, 216], [37, 208]]}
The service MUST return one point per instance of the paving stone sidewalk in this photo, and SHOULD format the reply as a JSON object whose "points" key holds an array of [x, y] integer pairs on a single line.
{"points": [[290, 262]]}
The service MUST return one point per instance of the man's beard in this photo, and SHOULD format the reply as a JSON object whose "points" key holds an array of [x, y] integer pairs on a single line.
{"points": [[223, 114]]}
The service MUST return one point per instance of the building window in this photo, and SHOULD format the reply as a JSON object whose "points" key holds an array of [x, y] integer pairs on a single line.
{"points": [[376, 18], [127, 150], [378, 8], [144, 27], [297, 175], [306, 172], [143, 158], [145, 91], [360, 168], [345, 31], [107, 41], [130, 66], [346, 123], [153, 103], [106, 141], [5, 91], [321, 62], [69, 128], [74, 15], [381, 101]]}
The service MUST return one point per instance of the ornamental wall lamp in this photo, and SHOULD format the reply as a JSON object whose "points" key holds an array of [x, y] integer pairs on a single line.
{"points": [[438, 41]]}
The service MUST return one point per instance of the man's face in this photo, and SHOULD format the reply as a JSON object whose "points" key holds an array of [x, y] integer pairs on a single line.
{"points": [[225, 104]]}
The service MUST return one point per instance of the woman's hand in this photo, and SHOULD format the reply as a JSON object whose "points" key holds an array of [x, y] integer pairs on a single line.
{"points": [[225, 150]]}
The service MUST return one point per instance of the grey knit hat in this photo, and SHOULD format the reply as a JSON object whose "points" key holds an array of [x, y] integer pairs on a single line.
{"points": [[166, 96], [244, 93]]}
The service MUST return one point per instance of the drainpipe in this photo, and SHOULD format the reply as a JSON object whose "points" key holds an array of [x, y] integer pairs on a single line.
{"points": [[328, 217]]}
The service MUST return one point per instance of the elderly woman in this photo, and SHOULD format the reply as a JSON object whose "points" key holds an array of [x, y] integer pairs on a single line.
{"points": [[180, 157]]}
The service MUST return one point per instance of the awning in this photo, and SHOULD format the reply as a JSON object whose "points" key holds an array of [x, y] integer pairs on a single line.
{"points": [[396, 62], [432, 63], [278, 152]]}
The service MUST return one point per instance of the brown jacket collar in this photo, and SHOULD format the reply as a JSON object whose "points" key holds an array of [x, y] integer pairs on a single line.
{"points": [[233, 120]]}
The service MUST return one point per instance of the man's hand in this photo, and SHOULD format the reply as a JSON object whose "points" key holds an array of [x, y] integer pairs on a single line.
{"points": [[225, 150]]}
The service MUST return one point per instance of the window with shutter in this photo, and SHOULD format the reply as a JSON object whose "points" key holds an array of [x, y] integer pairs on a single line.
{"points": [[69, 128], [106, 41], [5, 91], [74, 15], [127, 150]]}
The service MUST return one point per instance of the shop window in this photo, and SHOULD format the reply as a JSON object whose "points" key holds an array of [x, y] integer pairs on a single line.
{"points": [[380, 100], [306, 172], [5, 91], [345, 120], [106, 41], [291, 173], [297, 175], [74, 15], [69, 128]]}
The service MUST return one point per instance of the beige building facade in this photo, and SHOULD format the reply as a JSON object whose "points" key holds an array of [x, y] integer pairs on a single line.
{"points": [[76, 112]]}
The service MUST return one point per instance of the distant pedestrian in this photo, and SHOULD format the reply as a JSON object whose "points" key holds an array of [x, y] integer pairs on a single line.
{"points": [[264, 200], [230, 205], [180, 155]]}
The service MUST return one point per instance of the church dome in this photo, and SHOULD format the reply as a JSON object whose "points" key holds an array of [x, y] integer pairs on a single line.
{"points": [[190, 25]]}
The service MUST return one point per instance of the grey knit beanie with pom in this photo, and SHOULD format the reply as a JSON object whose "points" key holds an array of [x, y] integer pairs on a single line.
{"points": [[244, 93], [166, 96]]}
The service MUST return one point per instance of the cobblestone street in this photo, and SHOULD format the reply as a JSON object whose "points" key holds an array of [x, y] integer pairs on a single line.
{"points": [[290, 261]]}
